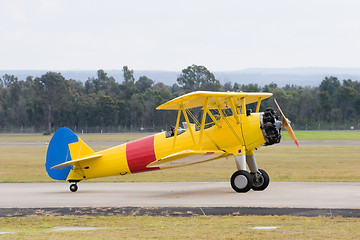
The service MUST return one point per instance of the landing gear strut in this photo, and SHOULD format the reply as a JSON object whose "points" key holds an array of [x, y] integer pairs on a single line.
{"points": [[73, 186]]}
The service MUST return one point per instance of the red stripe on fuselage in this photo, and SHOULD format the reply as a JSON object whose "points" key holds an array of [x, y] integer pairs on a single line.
{"points": [[140, 153]]}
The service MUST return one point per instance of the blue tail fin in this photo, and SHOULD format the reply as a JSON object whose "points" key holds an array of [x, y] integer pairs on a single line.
{"points": [[58, 152]]}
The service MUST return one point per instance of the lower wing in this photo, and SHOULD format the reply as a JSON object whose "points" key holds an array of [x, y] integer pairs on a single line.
{"points": [[186, 157]]}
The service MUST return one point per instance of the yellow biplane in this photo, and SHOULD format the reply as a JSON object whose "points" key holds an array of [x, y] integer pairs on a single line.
{"points": [[225, 128]]}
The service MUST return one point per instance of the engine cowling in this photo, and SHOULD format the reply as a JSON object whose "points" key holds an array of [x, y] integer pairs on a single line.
{"points": [[271, 127]]}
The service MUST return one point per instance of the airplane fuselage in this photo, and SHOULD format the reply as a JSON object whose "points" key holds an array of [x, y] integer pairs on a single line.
{"points": [[133, 157], [226, 128]]}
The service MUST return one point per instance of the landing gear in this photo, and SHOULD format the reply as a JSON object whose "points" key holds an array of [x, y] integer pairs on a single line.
{"points": [[73, 186], [241, 181], [261, 180]]}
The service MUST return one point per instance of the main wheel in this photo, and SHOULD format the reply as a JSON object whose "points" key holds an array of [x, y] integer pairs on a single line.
{"points": [[261, 180], [241, 181], [73, 187]]}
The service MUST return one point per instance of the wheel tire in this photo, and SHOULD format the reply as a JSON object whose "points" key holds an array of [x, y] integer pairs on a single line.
{"points": [[73, 187], [263, 183], [241, 181]]}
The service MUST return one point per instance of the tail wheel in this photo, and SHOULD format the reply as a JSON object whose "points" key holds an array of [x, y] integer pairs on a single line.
{"points": [[241, 181], [260, 180]]}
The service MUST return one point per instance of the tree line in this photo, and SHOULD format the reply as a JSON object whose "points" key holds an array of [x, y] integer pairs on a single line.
{"points": [[53, 101]]}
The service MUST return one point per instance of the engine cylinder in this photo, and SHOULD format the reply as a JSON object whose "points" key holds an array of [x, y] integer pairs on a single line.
{"points": [[271, 127]]}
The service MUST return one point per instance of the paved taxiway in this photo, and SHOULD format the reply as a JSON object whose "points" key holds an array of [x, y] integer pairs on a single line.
{"points": [[333, 195]]}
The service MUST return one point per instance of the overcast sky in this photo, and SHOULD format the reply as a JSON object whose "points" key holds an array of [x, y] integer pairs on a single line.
{"points": [[170, 35]]}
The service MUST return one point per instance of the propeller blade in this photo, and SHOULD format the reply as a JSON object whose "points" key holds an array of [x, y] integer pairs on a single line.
{"points": [[286, 124]]}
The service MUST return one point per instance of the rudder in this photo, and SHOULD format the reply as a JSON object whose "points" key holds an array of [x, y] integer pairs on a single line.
{"points": [[58, 152]]}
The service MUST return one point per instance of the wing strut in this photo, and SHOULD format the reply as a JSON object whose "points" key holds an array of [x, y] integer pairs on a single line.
{"points": [[227, 122], [258, 105], [188, 123], [213, 118], [233, 108], [202, 125], [243, 106], [177, 127], [206, 110], [243, 109], [183, 110]]}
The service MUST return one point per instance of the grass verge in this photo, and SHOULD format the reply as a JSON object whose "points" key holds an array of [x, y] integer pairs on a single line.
{"points": [[324, 135], [202, 227]]}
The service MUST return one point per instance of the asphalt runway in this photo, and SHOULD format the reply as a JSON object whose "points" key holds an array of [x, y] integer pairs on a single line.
{"points": [[334, 195], [179, 199]]}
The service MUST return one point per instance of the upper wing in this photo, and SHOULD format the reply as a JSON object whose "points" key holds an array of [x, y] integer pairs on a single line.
{"points": [[187, 157], [215, 99]]}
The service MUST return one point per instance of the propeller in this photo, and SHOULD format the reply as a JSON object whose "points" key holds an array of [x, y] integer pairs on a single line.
{"points": [[286, 124]]}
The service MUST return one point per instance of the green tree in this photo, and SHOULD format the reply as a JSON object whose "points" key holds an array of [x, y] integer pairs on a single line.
{"points": [[345, 97], [107, 110], [196, 77], [270, 87], [101, 83], [53, 100], [144, 83], [123, 112], [128, 87], [227, 86], [13, 99], [8, 80], [175, 88], [137, 109], [236, 87], [356, 104], [325, 105], [128, 74], [330, 85], [250, 88], [50, 94]]}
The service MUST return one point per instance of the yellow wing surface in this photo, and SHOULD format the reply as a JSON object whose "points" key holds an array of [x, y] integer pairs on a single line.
{"points": [[186, 157], [213, 100], [208, 101]]}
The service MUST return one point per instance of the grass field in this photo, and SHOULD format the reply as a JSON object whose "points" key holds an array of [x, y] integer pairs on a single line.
{"points": [[203, 227], [283, 163], [324, 135], [124, 137]]}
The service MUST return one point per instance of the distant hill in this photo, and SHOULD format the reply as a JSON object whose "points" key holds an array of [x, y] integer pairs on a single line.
{"points": [[302, 76]]}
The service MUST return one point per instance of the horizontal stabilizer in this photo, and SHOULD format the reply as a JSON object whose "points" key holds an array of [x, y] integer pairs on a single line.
{"points": [[68, 163], [186, 157]]}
